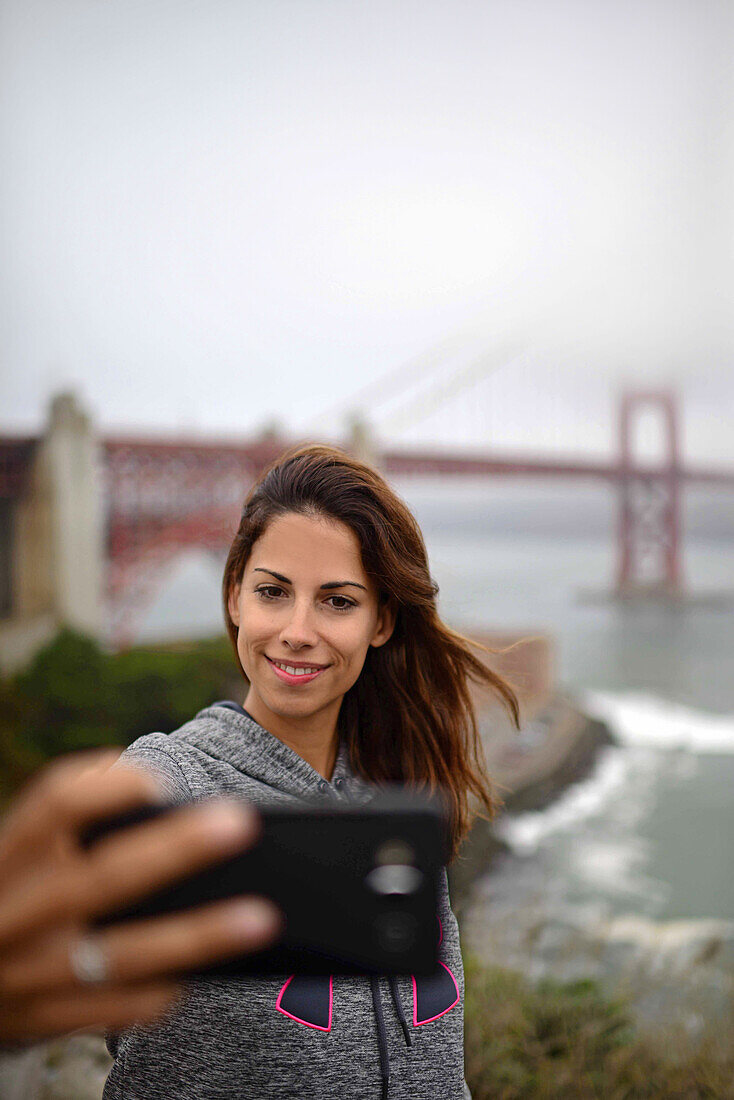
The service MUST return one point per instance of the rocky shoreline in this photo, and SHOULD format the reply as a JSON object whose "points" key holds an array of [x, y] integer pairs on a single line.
{"points": [[677, 975], [557, 747]]}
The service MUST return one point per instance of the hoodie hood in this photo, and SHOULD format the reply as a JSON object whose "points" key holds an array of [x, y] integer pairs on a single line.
{"points": [[227, 732]]}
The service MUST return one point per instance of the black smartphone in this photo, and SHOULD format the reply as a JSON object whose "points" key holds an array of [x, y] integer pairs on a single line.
{"points": [[357, 885]]}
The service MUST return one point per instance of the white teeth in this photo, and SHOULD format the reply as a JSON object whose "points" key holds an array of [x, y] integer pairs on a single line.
{"points": [[296, 671]]}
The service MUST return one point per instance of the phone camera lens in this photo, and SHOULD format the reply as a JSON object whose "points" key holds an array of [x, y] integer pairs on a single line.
{"points": [[394, 878], [396, 931]]}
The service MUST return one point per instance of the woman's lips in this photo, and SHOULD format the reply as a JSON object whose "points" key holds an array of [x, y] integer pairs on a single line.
{"points": [[289, 678]]}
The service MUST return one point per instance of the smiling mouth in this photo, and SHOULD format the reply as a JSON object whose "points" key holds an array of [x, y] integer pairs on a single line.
{"points": [[295, 671]]}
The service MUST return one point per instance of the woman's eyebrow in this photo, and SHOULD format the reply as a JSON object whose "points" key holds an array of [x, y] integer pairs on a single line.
{"points": [[343, 584], [329, 584]]}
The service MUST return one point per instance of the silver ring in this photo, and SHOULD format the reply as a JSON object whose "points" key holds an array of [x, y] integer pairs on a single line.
{"points": [[89, 962]]}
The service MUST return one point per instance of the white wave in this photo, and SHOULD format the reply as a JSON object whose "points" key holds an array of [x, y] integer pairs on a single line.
{"points": [[616, 868], [581, 800], [639, 718], [683, 938]]}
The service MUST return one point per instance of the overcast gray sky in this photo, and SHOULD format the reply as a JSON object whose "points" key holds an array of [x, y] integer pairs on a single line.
{"points": [[216, 212]]}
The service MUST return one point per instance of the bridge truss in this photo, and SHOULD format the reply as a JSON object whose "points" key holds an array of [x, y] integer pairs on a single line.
{"points": [[162, 497]]}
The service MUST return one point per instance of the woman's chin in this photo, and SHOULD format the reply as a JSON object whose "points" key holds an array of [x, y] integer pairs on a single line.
{"points": [[287, 707]]}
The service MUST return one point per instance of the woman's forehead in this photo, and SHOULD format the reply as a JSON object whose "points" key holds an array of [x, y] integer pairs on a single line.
{"points": [[308, 545]]}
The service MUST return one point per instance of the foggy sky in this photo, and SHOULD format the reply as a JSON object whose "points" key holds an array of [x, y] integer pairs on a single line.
{"points": [[221, 212]]}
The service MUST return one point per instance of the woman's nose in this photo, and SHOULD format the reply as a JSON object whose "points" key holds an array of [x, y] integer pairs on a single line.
{"points": [[299, 630]]}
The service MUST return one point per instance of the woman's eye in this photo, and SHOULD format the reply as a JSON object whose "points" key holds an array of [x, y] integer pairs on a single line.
{"points": [[267, 591], [346, 604]]}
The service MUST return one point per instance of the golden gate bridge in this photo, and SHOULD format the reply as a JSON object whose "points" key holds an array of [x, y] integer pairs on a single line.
{"points": [[149, 498]]}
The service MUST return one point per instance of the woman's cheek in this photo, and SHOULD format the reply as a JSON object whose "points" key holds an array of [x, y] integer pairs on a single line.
{"points": [[353, 667]]}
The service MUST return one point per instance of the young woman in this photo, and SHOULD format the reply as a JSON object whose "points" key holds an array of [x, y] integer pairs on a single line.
{"points": [[353, 681]]}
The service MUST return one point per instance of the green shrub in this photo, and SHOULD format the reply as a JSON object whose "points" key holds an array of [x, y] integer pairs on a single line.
{"points": [[568, 1041], [73, 696]]}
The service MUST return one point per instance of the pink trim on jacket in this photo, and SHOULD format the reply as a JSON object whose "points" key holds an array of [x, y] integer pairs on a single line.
{"points": [[298, 1020]]}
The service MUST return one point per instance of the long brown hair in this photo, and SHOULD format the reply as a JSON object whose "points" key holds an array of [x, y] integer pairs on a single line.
{"points": [[409, 717]]}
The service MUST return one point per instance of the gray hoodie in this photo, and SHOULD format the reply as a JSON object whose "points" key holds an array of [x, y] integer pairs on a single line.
{"points": [[288, 1036]]}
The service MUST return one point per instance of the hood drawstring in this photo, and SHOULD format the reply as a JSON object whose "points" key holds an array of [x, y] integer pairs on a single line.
{"points": [[399, 1010], [381, 1035], [342, 786]]}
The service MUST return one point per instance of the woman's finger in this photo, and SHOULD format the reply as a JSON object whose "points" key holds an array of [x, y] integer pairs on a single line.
{"points": [[193, 939], [66, 795], [46, 895], [131, 862], [122, 867], [146, 949], [71, 800], [114, 1007], [20, 816]]}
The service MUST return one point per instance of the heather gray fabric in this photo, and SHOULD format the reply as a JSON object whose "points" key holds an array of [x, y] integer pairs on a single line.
{"points": [[227, 1038]]}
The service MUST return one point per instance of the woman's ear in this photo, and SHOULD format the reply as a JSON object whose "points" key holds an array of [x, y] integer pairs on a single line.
{"points": [[233, 603], [385, 623]]}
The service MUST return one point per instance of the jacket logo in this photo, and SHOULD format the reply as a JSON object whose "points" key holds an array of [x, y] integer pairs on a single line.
{"points": [[309, 998]]}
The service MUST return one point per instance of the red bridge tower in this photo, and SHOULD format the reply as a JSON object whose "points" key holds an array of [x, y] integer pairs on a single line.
{"points": [[649, 511]]}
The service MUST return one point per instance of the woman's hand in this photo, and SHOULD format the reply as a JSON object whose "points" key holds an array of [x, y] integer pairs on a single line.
{"points": [[55, 975]]}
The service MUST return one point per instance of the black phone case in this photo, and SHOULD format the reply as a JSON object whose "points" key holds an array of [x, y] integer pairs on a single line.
{"points": [[358, 886]]}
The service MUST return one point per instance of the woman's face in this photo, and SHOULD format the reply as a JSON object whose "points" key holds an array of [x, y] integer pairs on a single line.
{"points": [[305, 601]]}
